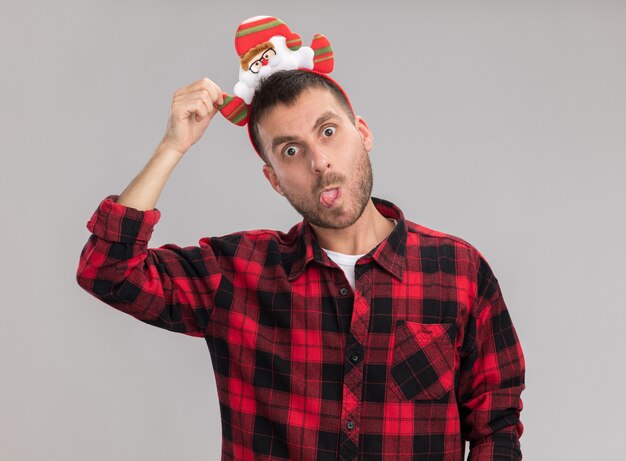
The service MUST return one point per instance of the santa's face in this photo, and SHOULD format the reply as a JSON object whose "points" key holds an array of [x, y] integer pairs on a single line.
{"points": [[319, 158], [257, 66], [261, 59]]}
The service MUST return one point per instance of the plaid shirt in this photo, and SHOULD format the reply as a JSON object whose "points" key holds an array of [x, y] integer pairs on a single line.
{"points": [[419, 358]]}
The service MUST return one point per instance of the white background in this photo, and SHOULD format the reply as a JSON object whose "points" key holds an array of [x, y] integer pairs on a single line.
{"points": [[500, 122]]}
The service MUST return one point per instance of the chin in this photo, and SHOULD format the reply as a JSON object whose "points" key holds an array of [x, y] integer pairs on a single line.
{"points": [[334, 218]]}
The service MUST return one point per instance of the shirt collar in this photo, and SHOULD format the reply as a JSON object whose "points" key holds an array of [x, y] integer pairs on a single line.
{"points": [[390, 254]]}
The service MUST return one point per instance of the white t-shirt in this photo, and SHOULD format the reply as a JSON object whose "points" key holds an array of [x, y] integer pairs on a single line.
{"points": [[346, 262]]}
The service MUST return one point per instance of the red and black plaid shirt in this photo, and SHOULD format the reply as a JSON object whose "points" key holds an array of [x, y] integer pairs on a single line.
{"points": [[420, 357]]}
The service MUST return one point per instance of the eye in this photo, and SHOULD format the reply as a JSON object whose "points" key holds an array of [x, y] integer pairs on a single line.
{"points": [[329, 131], [290, 151], [254, 67], [267, 55]]}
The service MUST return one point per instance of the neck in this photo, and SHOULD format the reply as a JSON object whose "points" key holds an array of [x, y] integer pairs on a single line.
{"points": [[368, 231]]}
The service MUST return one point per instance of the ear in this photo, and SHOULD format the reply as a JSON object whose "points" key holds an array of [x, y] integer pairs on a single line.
{"points": [[270, 174], [364, 131]]}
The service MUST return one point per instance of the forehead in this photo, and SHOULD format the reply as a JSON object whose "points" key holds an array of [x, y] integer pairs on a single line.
{"points": [[301, 115]]}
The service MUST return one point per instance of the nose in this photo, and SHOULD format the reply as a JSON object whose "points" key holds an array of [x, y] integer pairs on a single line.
{"points": [[319, 161], [264, 61]]}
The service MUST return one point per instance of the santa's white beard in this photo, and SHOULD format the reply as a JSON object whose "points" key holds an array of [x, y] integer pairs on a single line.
{"points": [[251, 79]]}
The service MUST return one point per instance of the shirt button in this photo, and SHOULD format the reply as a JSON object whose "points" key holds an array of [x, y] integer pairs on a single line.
{"points": [[343, 291], [350, 425], [355, 358]]}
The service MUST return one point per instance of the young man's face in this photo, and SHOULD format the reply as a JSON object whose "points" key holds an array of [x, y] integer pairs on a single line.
{"points": [[319, 158]]}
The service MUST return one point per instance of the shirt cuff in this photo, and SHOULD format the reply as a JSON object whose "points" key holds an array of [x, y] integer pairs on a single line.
{"points": [[119, 223]]}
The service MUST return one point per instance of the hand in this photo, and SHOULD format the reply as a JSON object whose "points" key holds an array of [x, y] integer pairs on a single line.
{"points": [[193, 107]]}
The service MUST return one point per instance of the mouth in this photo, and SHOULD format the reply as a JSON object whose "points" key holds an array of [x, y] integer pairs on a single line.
{"points": [[329, 196]]}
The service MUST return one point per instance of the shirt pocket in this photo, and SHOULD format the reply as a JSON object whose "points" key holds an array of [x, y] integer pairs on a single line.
{"points": [[423, 360]]}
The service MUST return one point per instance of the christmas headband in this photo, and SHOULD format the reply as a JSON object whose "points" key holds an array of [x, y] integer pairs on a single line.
{"points": [[265, 45]]}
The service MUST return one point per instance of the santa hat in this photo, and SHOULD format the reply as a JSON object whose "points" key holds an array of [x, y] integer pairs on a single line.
{"points": [[260, 29]]}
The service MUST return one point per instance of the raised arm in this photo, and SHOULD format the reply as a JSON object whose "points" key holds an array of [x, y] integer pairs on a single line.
{"points": [[170, 287], [192, 109]]}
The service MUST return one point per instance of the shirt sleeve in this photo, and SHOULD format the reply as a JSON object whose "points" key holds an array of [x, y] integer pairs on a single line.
{"points": [[171, 287], [492, 376]]}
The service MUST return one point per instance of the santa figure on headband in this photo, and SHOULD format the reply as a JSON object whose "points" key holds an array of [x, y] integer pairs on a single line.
{"points": [[265, 45]]}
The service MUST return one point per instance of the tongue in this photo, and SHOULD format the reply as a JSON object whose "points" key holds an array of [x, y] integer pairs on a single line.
{"points": [[328, 197]]}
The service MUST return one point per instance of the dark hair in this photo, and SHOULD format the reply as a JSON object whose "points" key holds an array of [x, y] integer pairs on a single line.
{"points": [[284, 87]]}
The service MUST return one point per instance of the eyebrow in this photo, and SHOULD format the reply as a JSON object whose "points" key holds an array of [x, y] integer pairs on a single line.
{"points": [[278, 140]]}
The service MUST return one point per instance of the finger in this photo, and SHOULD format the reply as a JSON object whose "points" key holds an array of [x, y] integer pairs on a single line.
{"points": [[201, 110], [184, 91], [203, 96], [185, 109], [211, 98], [219, 94], [215, 92], [210, 93], [200, 84]]}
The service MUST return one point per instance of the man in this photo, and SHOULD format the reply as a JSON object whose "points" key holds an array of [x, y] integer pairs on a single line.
{"points": [[356, 335]]}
